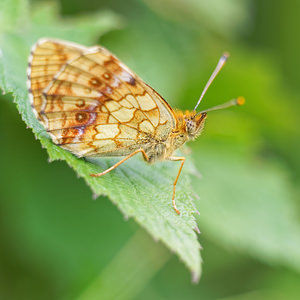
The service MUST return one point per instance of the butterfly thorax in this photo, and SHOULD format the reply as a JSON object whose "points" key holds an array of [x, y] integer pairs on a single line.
{"points": [[189, 126]]}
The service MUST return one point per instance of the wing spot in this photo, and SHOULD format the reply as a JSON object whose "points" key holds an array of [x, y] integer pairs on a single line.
{"points": [[132, 81], [95, 82], [106, 76], [81, 117], [80, 103]]}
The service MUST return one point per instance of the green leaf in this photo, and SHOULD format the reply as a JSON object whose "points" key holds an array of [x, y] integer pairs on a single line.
{"points": [[139, 190]]}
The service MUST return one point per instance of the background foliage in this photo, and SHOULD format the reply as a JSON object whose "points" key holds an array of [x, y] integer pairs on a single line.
{"points": [[56, 243]]}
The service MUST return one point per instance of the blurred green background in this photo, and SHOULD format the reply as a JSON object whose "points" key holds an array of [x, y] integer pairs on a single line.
{"points": [[57, 243]]}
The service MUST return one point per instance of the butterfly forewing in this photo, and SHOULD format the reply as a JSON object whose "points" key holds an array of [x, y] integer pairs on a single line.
{"points": [[91, 104]]}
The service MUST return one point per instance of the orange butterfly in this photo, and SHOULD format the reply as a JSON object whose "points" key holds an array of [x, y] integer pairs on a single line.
{"points": [[92, 105]]}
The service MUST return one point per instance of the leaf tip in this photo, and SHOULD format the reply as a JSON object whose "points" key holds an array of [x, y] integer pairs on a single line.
{"points": [[195, 277], [95, 196]]}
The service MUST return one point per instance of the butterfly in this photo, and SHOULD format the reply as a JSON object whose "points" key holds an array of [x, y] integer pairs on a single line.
{"points": [[93, 105]]}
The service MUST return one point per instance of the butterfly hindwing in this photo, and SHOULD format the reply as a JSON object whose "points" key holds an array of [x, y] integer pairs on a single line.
{"points": [[91, 104]]}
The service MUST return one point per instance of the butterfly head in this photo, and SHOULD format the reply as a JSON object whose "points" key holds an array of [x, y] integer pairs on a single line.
{"points": [[194, 123]]}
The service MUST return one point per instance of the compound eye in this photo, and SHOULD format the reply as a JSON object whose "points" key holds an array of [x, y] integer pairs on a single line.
{"points": [[190, 126]]}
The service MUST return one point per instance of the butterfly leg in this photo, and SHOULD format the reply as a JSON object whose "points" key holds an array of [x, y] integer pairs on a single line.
{"points": [[182, 159], [121, 161]]}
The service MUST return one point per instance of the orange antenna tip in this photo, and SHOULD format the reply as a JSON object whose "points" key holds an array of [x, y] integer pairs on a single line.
{"points": [[234, 102], [240, 101]]}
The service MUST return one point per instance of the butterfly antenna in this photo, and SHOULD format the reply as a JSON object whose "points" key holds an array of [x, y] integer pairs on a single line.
{"points": [[233, 102], [218, 68]]}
